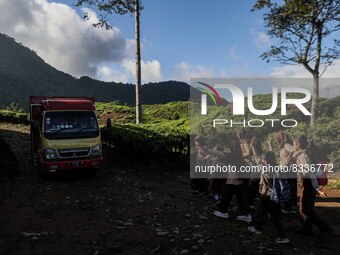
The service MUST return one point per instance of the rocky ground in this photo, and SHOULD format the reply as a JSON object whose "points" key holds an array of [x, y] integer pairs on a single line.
{"points": [[128, 209]]}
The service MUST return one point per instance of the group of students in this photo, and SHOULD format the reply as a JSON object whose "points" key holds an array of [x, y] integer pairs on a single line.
{"points": [[261, 194]]}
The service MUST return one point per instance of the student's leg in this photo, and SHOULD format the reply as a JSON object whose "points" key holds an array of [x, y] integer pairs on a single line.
{"points": [[239, 193], [227, 195], [307, 200], [293, 191], [314, 218], [253, 192], [255, 184], [275, 213], [247, 191], [261, 210], [291, 204], [211, 185], [218, 185]]}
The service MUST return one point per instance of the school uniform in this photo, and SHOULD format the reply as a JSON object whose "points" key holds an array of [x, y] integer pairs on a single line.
{"points": [[284, 160], [308, 195], [265, 205]]}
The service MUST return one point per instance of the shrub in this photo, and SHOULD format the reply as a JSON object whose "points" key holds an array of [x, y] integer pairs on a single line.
{"points": [[149, 141], [14, 117]]}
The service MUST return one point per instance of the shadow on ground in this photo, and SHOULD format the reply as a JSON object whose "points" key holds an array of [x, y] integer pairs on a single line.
{"points": [[130, 210]]}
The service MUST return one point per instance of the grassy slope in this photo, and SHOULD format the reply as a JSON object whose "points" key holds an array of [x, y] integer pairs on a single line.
{"points": [[174, 113]]}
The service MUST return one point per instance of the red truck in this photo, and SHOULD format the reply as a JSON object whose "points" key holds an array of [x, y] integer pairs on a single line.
{"points": [[64, 133]]}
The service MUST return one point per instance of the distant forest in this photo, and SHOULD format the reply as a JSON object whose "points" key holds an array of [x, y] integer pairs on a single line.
{"points": [[23, 73]]}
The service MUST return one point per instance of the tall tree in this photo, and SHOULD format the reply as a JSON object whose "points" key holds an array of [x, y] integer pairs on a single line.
{"points": [[121, 7], [138, 64], [305, 34]]}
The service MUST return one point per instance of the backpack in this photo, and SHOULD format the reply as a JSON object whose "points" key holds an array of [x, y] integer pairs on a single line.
{"points": [[321, 175], [320, 165], [281, 191]]}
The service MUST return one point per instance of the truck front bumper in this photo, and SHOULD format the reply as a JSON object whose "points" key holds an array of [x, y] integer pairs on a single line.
{"points": [[49, 166]]}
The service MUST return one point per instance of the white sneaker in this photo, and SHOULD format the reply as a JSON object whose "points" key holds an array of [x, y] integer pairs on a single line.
{"points": [[246, 218], [282, 240], [217, 197], [221, 214], [215, 204], [254, 230], [288, 211]]}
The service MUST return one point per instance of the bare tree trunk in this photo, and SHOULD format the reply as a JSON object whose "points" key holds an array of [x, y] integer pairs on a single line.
{"points": [[138, 65], [315, 95]]}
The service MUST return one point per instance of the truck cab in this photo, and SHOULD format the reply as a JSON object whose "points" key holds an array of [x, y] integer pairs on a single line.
{"points": [[65, 133]]}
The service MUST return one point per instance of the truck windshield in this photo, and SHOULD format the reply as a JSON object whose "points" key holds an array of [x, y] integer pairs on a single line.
{"points": [[70, 125]]}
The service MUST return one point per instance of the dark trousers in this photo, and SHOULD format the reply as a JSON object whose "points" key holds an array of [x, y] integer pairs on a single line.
{"points": [[293, 193], [228, 192], [253, 191], [216, 186], [263, 206], [200, 185], [307, 214]]}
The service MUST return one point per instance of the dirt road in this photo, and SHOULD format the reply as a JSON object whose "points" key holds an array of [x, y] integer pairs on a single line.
{"points": [[130, 210]]}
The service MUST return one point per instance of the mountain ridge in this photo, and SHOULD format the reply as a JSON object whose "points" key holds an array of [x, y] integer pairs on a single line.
{"points": [[23, 73]]}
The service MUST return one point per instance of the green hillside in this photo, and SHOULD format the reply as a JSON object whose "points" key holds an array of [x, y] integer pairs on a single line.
{"points": [[173, 113], [23, 73]]}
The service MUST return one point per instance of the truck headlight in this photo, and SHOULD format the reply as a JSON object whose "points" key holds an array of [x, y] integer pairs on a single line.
{"points": [[96, 150], [50, 154]]}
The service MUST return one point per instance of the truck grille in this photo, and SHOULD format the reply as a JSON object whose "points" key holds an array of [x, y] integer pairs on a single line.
{"points": [[74, 153]]}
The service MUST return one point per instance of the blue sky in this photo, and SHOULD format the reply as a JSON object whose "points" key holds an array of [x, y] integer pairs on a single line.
{"points": [[181, 39], [223, 36]]}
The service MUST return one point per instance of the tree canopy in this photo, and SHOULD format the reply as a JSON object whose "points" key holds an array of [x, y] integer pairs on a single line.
{"points": [[305, 32], [108, 7]]}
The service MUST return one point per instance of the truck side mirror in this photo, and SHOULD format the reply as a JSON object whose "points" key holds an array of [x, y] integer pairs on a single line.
{"points": [[35, 125]]}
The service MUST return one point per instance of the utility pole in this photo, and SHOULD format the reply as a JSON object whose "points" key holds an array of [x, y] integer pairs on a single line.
{"points": [[138, 65]]}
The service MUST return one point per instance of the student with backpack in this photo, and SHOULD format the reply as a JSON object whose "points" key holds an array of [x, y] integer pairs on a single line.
{"points": [[310, 189], [256, 161], [200, 185], [286, 150], [267, 203], [206, 157], [246, 144], [216, 184], [233, 187]]}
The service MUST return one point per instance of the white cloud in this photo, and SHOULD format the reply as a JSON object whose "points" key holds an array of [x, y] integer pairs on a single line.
{"points": [[109, 74], [60, 36], [328, 87], [298, 71], [71, 44], [290, 71], [233, 53], [333, 71], [151, 70], [223, 73], [184, 71], [91, 15]]}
